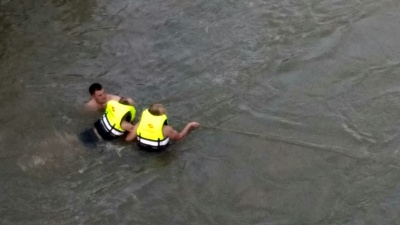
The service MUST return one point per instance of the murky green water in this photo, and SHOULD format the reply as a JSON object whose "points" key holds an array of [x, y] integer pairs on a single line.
{"points": [[298, 102]]}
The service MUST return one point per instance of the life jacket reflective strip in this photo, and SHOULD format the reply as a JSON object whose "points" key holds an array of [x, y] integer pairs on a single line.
{"points": [[153, 143], [110, 128]]}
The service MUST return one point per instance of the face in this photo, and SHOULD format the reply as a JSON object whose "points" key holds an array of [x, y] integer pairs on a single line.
{"points": [[100, 96]]}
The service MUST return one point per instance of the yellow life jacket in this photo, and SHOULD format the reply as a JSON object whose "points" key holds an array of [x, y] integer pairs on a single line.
{"points": [[150, 129], [109, 125]]}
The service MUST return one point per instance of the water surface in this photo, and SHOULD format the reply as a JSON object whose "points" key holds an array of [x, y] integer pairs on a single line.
{"points": [[298, 102]]}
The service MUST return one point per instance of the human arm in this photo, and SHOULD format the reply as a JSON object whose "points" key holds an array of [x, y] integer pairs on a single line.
{"points": [[168, 131], [132, 134]]}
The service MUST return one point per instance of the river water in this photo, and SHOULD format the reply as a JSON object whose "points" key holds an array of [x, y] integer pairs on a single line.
{"points": [[298, 99]]}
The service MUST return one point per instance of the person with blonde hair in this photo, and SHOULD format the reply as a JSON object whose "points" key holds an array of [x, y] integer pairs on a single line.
{"points": [[152, 132]]}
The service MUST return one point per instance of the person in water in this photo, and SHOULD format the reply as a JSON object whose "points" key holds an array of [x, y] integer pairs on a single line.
{"points": [[99, 99], [153, 133], [114, 123]]}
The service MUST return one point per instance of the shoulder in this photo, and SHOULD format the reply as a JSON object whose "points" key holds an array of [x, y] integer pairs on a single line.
{"points": [[167, 130], [91, 103], [113, 97]]}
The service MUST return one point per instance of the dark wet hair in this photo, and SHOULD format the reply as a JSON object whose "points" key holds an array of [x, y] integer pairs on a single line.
{"points": [[95, 87]]}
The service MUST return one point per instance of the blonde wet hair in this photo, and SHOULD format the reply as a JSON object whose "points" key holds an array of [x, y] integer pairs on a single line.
{"points": [[157, 109]]}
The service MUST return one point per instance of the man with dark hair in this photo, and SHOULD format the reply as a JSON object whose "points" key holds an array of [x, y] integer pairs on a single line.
{"points": [[99, 98], [153, 133]]}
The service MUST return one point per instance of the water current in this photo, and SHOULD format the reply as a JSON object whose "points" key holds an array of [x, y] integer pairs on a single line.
{"points": [[298, 102]]}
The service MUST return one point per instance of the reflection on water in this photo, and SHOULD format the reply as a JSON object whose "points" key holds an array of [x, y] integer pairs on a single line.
{"points": [[298, 101]]}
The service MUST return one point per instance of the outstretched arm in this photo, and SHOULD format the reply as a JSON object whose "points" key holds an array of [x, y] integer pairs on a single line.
{"points": [[174, 135]]}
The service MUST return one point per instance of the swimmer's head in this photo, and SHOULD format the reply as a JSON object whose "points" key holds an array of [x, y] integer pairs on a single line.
{"points": [[157, 109], [98, 93], [95, 87]]}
